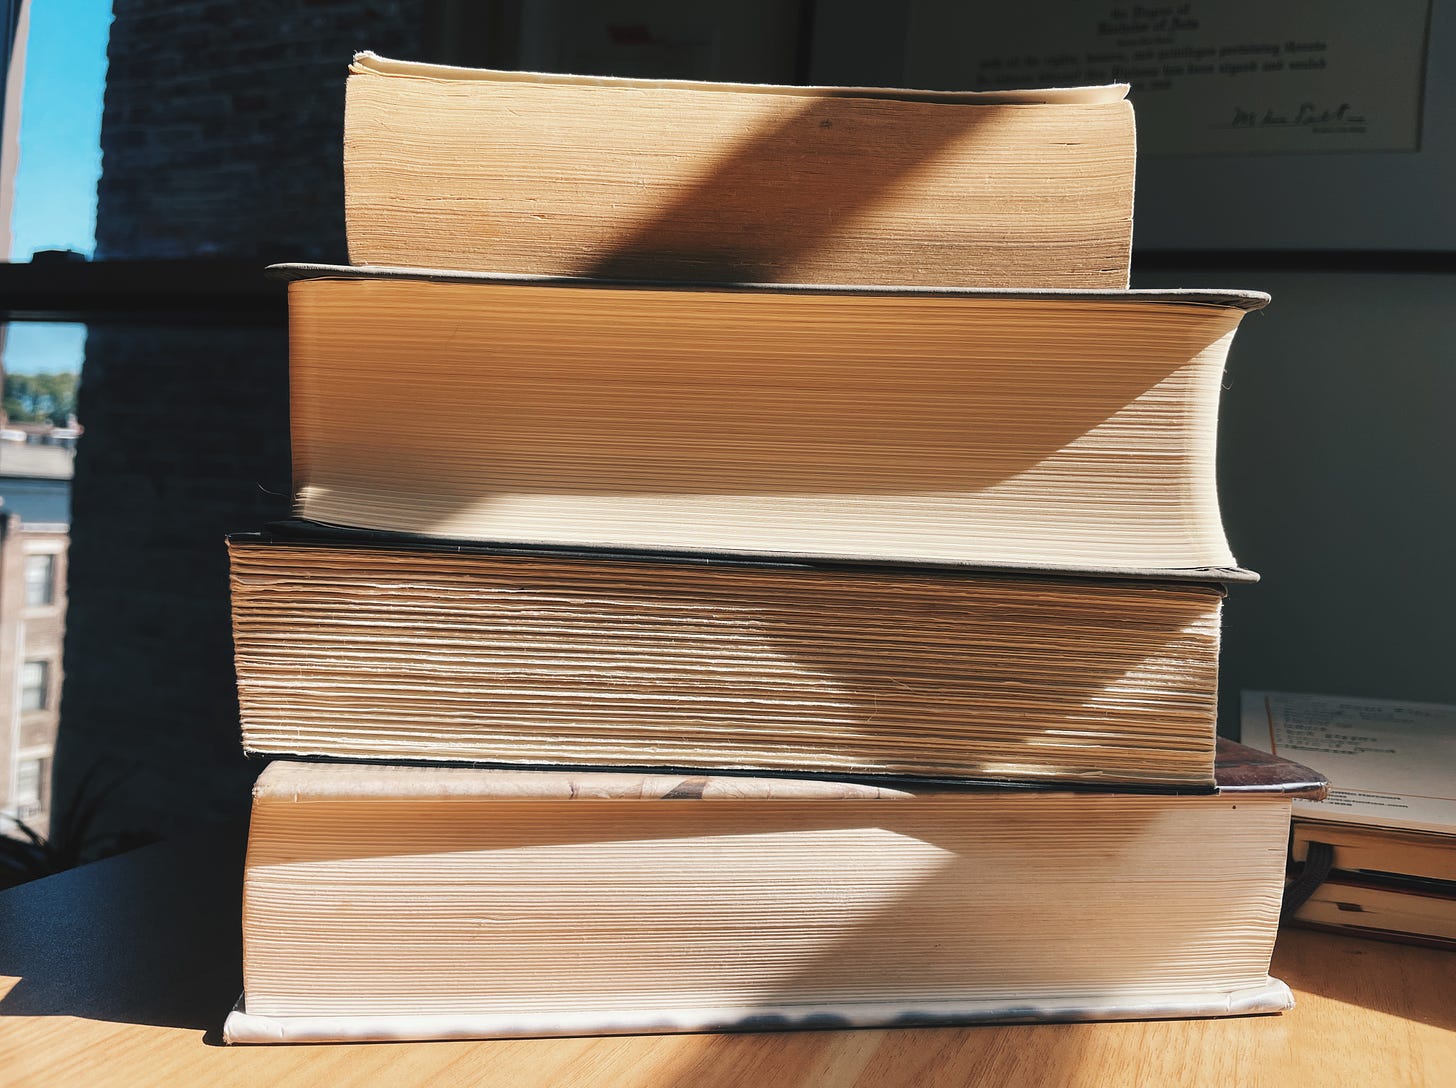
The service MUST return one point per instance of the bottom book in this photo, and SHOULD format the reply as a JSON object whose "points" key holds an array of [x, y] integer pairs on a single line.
{"points": [[394, 902], [1391, 909]]}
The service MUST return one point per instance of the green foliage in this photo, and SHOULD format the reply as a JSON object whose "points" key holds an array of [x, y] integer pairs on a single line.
{"points": [[33, 398]]}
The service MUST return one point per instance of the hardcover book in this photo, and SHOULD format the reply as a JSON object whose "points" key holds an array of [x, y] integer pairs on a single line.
{"points": [[1065, 429], [388, 902], [357, 646], [660, 179]]}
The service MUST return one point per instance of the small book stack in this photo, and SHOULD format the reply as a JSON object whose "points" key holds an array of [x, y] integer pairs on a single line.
{"points": [[757, 566], [1377, 857]]}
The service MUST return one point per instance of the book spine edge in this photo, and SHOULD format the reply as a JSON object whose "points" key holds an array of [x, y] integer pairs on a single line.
{"points": [[1270, 996]]}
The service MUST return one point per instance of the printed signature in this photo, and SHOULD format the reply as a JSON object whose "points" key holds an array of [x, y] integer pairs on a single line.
{"points": [[1307, 114]]}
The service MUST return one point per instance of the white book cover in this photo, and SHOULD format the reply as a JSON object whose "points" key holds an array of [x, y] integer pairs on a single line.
{"points": [[1390, 764], [1271, 996]]}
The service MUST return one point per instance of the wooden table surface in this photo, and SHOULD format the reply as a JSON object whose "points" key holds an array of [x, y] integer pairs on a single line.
{"points": [[120, 973]]}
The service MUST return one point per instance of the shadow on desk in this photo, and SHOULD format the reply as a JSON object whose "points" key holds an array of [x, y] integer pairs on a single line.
{"points": [[1399, 980], [94, 942], [97, 944]]}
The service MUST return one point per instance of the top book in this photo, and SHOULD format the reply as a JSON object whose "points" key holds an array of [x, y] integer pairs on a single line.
{"points": [[477, 170]]}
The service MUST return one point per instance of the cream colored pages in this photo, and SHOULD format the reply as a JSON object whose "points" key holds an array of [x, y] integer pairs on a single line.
{"points": [[568, 175], [945, 428], [369, 63], [307, 783], [1378, 849], [426, 654], [541, 916]]}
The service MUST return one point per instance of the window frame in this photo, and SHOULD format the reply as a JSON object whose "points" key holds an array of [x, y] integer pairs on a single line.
{"points": [[48, 585], [43, 689]]}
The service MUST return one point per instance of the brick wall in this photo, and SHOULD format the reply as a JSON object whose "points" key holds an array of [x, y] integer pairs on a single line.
{"points": [[185, 441], [222, 130], [221, 136]]}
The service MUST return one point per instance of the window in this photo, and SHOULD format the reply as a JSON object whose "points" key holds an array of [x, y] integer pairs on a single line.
{"points": [[27, 783], [40, 580], [35, 683]]}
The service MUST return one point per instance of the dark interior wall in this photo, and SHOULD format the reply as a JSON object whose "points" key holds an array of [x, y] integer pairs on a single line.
{"points": [[1335, 456], [221, 137]]}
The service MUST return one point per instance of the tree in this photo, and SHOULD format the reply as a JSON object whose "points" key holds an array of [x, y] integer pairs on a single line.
{"points": [[32, 398]]}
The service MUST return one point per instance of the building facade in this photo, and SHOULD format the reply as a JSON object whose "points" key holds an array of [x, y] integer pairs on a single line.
{"points": [[32, 628]]}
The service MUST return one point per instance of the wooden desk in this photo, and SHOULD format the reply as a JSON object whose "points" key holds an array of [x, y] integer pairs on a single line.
{"points": [[120, 974]]}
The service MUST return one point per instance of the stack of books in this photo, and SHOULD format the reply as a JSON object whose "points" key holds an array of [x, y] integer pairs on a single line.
{"points": [[757, 566], [1377, 856]]}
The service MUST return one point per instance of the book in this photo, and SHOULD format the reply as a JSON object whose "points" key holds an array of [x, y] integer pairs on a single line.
{"points": [[1377, 851], [1387, 909], [1073, 430], [659, 179], [1386, 833], [353, 646], [1391, 764], [391, 902]]}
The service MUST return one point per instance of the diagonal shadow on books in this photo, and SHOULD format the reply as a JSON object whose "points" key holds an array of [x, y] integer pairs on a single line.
{"points": [[632, 401], [528, 659], [856, 894], [116, 984], [776, 197], [645, 408]]}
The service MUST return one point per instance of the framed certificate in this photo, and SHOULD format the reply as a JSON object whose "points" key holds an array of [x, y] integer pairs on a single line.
{"points": [[1263, 124]]}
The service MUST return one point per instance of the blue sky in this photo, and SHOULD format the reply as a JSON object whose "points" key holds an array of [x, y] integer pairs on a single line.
{"points": [[40, 347], [60, 160], [60, 127]]}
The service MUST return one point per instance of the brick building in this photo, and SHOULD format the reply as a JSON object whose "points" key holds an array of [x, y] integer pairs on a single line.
{"points": [[221, 138], [32, 622]]}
